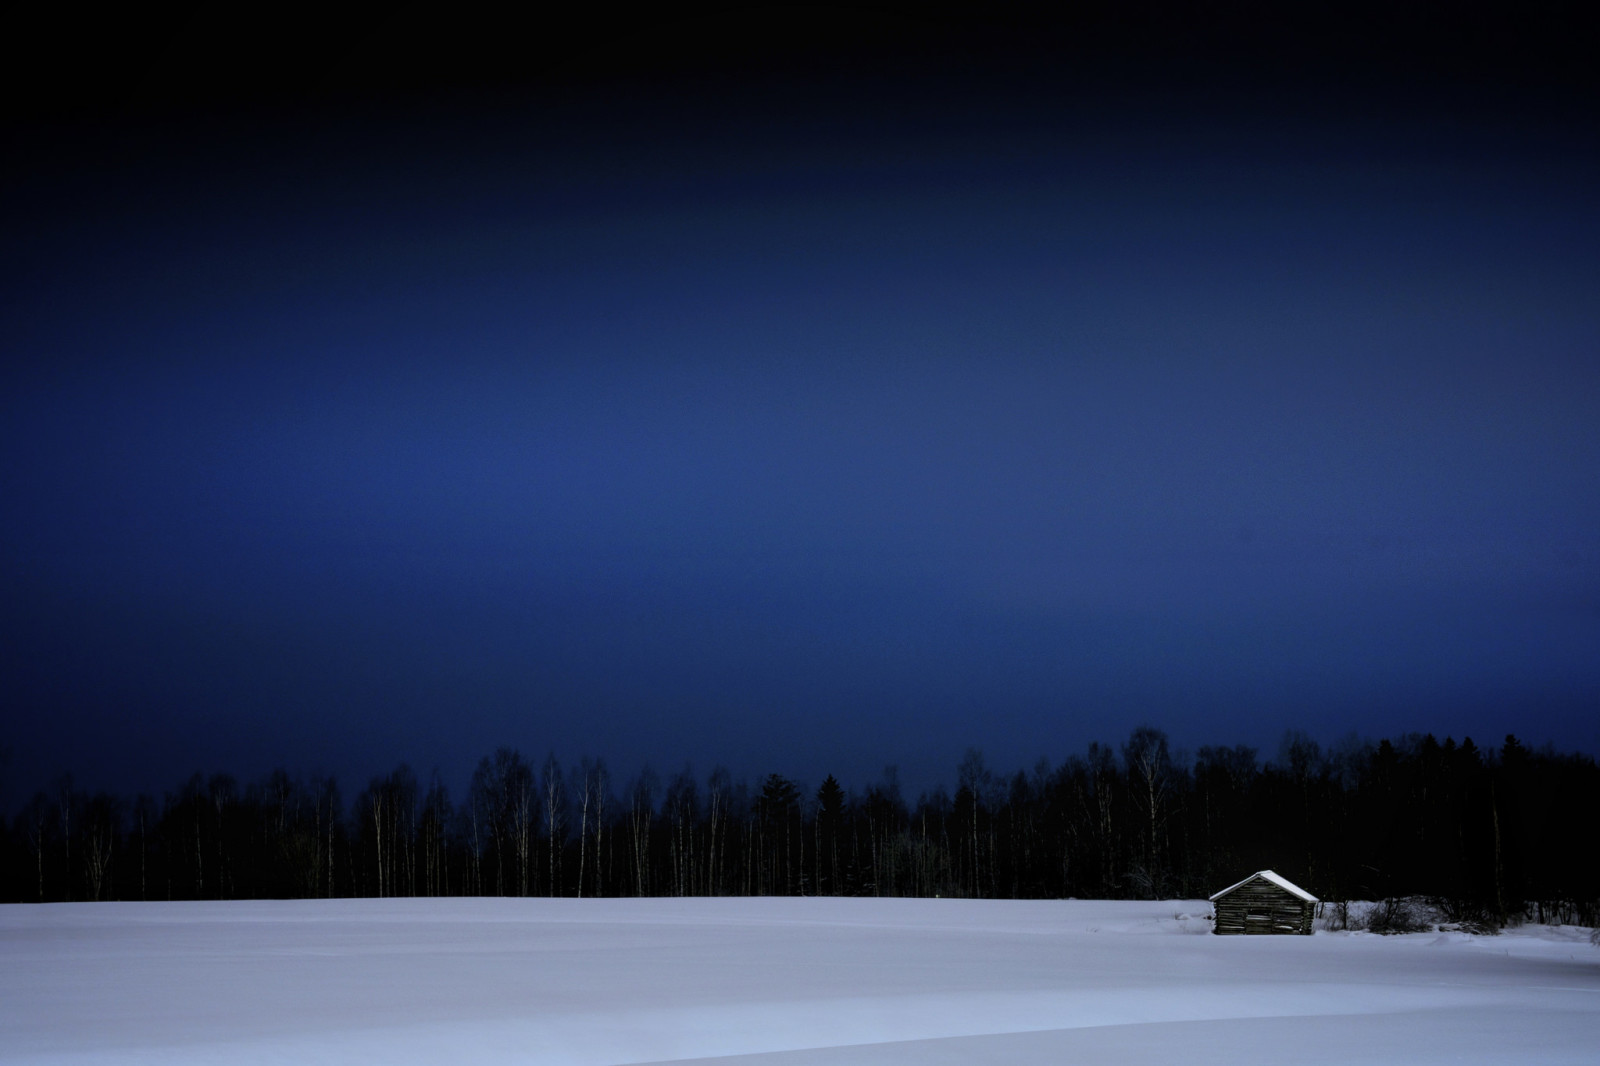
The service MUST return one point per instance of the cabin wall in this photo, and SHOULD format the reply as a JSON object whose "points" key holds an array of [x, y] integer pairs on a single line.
{"points": [[1262, 907]]}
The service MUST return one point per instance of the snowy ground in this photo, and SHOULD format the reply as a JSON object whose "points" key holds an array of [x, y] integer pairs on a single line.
{"points": [[775, 982]]}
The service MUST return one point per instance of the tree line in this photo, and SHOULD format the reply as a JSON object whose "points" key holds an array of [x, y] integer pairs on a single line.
{"points": [[1493, 835]]}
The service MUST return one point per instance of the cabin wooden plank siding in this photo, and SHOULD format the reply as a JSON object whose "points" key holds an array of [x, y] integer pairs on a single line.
{"points": [[1263, 903]]}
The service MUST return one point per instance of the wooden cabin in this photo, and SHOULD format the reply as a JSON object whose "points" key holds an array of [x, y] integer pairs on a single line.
{"points": [[1263, 903]]}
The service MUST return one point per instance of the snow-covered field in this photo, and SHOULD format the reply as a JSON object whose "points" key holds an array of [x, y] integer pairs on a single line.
{"points": [[772, 981]]}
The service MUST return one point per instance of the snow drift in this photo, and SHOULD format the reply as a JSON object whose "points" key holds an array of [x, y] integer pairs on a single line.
{"points": [[773, 980]]}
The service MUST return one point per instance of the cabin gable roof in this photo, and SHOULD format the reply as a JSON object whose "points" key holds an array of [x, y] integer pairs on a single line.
{"points": [[1267, 875]]}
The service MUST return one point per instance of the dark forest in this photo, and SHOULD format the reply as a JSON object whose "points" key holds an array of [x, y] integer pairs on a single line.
{"points": [[1490, 835]]}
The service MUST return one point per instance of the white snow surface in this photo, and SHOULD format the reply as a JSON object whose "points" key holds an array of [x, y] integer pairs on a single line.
{"points": [[775, 982]]}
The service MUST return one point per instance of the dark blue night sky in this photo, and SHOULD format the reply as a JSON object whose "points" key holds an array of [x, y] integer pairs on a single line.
{"points": [[810, 428]]}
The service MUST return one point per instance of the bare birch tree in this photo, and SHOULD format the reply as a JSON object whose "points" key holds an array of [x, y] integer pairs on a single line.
{"points": [[554, 789]]}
